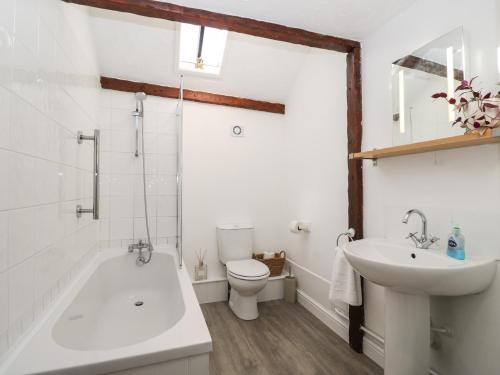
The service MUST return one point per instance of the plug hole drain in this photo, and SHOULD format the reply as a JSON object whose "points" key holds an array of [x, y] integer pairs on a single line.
{"points": [[139, 303]]}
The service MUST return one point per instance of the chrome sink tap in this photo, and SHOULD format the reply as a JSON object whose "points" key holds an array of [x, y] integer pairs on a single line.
{"points": [[422, 242]]}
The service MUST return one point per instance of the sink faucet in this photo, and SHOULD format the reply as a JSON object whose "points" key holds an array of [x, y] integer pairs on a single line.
{"points": [[424, 242]]}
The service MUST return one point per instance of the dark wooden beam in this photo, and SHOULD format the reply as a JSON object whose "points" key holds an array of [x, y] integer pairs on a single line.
{"points": [[191, 95], [355, 178], [178, 13], [427, 66]]}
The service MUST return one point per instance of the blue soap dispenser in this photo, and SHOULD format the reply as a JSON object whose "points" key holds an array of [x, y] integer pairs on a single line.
{"points": [[456, 244]]}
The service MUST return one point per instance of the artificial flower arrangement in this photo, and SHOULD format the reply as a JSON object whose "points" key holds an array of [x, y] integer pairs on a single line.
{"points": [[477, 112]]}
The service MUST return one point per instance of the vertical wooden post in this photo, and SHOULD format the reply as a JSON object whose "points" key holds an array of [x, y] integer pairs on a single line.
{"points": [[355, 177]]}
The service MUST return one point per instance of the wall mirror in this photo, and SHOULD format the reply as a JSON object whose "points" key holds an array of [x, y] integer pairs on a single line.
{"points": [[436, 67]]}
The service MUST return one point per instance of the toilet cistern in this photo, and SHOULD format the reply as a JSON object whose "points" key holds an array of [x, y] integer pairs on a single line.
{"points": [[422, 242]]}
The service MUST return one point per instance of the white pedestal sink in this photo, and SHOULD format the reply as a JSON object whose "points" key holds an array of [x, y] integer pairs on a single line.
{"points": [[410, 276]]}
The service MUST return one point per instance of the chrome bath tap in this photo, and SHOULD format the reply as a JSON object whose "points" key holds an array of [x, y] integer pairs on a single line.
{"points": [[140, 246], [422, 242]]}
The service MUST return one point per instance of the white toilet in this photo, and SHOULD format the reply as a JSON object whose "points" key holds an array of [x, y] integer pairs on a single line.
{"points": [[245, 275]]}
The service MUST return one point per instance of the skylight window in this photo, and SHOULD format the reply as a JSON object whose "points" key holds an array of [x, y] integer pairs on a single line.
{"points": [[201, 49]]}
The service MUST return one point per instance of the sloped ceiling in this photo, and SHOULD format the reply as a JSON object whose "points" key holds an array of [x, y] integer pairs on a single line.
{"points": [[143, 49]]}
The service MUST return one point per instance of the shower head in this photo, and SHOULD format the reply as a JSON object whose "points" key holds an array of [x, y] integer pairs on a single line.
{"points": [[139, 105], [140, 96]]}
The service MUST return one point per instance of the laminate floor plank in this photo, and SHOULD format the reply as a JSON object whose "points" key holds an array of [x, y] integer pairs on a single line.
{"points": [[286, 339]]}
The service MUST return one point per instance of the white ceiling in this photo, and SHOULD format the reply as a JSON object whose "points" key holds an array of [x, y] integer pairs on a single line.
{"points": [[353, 19], [143, 49]]}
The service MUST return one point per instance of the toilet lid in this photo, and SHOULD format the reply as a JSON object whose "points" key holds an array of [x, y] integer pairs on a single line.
{"points": [[248, 268]]}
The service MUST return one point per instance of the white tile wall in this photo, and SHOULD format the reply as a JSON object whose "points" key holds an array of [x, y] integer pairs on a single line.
{"points": [[49, 89], [122, 203]]}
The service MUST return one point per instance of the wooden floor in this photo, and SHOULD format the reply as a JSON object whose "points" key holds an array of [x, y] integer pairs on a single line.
{"points": [[286, 339]]}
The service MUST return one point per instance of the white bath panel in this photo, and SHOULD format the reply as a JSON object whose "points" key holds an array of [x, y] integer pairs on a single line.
{"points": [[195, 365]]}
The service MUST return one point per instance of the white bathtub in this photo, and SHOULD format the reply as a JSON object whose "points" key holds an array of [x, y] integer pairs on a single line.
{"points": [[97, 328]]}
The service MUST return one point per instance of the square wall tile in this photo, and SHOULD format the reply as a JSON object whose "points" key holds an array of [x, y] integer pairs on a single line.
{"points": [[140, 228], [124, 163], [122, 185], [167, 205], [167, 184], [121, 229], [121, 207], [123, 101], [139, 205], [166, 226], [122, 120], [167, 164], [167, 144], [124, 140]]}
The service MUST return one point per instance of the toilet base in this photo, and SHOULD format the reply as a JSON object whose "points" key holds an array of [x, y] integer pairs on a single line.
{"points": [[244, 307]]}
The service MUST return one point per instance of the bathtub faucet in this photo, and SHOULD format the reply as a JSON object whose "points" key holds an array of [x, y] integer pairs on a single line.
{"points": [[140, 246]]}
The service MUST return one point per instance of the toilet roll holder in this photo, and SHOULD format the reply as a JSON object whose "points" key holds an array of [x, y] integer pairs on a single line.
{"points": [[350, 233]]}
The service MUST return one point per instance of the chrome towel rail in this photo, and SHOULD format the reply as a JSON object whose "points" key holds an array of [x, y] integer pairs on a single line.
{"points": [[350, 233], [95, 208]]}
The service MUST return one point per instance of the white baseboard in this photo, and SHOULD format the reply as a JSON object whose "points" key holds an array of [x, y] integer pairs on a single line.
{"points": [[210, 291], [327, 317], [338, 325], [374, 351]]}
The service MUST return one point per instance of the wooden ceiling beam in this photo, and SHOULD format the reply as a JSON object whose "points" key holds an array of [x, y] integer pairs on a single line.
{"points": [[191, 95], [178, 13], [428, 66]]}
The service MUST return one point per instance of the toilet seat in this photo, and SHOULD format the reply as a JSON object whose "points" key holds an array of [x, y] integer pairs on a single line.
{"points": [[248, 269]]}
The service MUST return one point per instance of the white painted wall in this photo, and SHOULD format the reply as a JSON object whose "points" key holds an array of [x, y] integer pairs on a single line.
{"points": [[458, 185], [316, 168], [48, 91], [230, 179], [122, 202], [285, 168]]}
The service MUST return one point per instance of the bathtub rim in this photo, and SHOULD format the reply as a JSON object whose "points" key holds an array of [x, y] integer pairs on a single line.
{"points": [[188, 337]]}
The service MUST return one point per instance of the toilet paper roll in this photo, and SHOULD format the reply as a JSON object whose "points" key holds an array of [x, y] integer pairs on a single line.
{"points": [[268, 255], [294, 226]]}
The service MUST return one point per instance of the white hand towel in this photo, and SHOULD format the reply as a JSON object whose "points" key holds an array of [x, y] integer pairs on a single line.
{"points": [[346, 283]]}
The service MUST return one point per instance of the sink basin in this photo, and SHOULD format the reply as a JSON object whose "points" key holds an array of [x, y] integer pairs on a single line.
{"points": [[404, 268], [411, 276]]}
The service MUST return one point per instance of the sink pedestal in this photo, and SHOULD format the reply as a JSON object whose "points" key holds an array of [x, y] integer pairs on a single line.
{"points": [[407, 333], [410, 276]]}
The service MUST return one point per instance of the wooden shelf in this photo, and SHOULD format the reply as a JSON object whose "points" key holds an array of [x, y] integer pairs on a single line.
{"points": [[491, 136]]}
